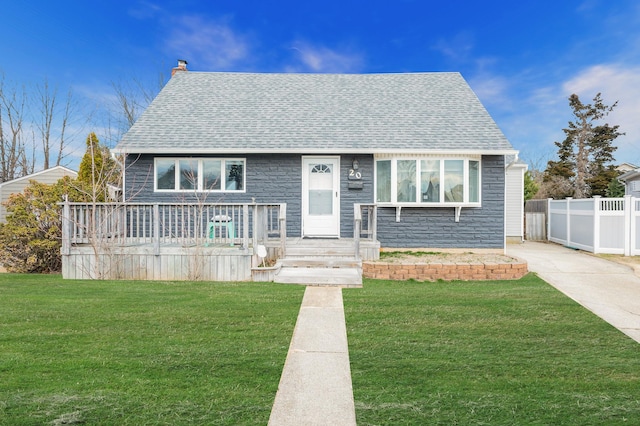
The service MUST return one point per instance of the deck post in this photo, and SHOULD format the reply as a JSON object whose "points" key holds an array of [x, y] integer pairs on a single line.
{"points": [[256, 217], [283, 229], [373, 222], [357, 224], [156, 229], [245, 226], [66, 224]]}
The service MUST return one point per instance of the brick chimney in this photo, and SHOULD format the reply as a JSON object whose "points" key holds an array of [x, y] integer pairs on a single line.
{"points": [[182, 66]]}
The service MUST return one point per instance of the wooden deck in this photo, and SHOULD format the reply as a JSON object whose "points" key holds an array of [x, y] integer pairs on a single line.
{"points": [[214, 242], [217, 262]]}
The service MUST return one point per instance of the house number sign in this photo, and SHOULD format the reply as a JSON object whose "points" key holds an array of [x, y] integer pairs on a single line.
{"points": [[355, 174], [355, 179]]}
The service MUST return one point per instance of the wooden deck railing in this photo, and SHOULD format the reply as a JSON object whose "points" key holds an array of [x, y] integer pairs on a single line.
{"points": [[174, 223], [365, 224]]}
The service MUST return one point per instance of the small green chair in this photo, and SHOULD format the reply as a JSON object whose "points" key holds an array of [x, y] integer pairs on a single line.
{"points": [[222, 221]]}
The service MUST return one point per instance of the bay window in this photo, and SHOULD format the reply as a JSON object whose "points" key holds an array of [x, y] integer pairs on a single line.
{"points": [[199, 174], [383, 178], [428, 181]]}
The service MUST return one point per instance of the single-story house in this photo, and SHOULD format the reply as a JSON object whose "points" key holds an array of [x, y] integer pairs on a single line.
{"points": [[16, 186], [419, 149]]}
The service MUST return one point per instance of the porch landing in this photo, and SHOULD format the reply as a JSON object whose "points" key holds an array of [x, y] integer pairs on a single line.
{"points": [[322, 262]]}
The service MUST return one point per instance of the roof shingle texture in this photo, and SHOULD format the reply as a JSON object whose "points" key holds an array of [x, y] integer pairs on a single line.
{"points": [[199, 112]]}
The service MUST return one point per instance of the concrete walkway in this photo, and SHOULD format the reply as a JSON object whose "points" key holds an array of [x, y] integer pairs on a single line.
{"points": [[608, 289], [315, 386]]}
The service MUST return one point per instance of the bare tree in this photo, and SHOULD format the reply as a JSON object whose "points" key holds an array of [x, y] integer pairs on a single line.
{"points": [[133, 96], [47, 98], [66, 115], [49, 112], [13, 157]]}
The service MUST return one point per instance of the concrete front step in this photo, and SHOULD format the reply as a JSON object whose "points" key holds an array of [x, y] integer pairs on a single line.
{"points": [[320, 262], [317, 275], [307, 251]]}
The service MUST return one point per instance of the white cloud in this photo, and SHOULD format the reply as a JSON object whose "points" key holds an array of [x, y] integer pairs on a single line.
{"points": [[532, 110], [491, 89], [213, 44], [323, 59], [457, 48], [616, 83]]}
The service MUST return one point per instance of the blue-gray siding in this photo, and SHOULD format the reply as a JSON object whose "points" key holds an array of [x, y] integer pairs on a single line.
{"points": [[481, 227], [269, 179], [277, 179]]}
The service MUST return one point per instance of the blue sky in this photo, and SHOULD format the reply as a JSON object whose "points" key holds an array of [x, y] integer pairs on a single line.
{"points": [[523, 59]]}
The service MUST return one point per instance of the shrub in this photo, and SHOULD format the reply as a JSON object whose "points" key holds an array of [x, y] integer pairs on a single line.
{"points": [[30, 240]]}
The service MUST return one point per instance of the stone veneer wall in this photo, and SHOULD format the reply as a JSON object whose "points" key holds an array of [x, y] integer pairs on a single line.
{"points": [[444, 271]]}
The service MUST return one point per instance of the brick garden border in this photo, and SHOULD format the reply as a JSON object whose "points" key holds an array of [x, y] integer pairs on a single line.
{"points": [[445, 271]]}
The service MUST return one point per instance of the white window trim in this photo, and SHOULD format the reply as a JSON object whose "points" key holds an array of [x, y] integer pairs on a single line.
{"points": [[419, 203], [200, 185]]}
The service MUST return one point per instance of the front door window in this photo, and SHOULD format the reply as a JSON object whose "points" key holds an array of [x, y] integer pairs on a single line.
{"points": [[321, 190]]}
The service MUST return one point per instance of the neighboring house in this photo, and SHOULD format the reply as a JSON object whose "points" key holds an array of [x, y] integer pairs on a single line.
{"points": [[626, 167], [16, 186], [514, 201], [416, 155], [631, 181], [420, 146]]}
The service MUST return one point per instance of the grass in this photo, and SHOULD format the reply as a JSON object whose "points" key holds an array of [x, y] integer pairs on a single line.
{"points": [[117, 352], [486, 353], [179, 353]]}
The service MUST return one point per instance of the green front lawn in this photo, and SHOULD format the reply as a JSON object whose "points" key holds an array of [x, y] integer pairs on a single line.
{"points": [[141, 353], [174, 353], [486, 353]]}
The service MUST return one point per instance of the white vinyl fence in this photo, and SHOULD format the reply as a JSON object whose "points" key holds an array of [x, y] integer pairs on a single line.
{"points": [[598, 225]]}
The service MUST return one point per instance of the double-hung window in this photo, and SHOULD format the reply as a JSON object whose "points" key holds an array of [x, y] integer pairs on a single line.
{"points": [[200, 174], [428, 181]]}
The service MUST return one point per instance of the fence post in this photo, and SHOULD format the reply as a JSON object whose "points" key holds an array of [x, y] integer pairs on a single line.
{"points": [[628, 221], [596, 223], [568, 210], [548, 218]]}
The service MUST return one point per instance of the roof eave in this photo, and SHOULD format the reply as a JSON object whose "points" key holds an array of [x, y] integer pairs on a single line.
{"points": [[193, 151], [631, 174]]}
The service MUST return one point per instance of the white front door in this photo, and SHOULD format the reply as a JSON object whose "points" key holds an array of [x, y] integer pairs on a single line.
{"points": [[320, 196]]}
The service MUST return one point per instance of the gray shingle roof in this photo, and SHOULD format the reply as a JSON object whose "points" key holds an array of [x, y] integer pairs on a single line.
{"points": [[205, 113]]}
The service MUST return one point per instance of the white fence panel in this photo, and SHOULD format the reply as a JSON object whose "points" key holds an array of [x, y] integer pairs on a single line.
{"points": [[558, 221], [634, 214], [612, 225], [581, 224], [598, 225]]}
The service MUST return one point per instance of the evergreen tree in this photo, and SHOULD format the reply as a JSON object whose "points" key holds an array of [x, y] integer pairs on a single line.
{"points": [[97, 170], [615, 189], [586, 154], [530, 186]]}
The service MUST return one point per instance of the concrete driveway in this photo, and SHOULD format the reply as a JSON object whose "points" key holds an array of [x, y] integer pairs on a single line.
{"points": [[608, 289]]}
